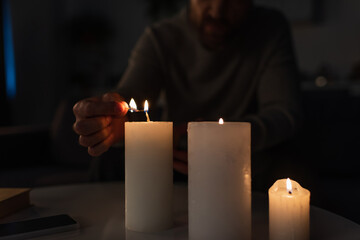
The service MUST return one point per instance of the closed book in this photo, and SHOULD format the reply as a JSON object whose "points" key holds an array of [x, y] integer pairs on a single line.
{"points": [[13, 199]]}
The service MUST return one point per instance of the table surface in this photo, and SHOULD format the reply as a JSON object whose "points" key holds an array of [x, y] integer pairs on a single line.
{"points": [[99, 209]]}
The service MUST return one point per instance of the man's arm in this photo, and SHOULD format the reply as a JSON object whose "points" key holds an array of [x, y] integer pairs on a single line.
{"points": [[144, 76]]}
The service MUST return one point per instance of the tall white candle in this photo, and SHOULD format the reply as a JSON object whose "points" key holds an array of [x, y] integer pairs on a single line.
{"points": [[289, 206], [219, 180], [148, 176]]}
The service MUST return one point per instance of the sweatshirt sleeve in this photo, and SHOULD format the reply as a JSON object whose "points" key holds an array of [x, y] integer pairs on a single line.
{"points": [[279, 114], [144, 74]]}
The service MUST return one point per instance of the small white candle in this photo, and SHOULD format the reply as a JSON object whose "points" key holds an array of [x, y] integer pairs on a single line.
{"points": [[148, 176], [219, 180], [289, 206]]}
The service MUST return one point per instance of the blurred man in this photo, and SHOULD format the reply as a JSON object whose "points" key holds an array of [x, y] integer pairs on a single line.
{"points": [[217, 58]]}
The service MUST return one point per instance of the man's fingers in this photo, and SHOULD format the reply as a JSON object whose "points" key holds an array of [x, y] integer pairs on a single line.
{"points": [[115, 97], [181, 167], [92, 140], [101, 147], [87, 108], [99, 122], [90, 126], [125, 108], [111, 96]]}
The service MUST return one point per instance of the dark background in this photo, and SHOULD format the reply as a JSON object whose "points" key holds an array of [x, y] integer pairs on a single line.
{"points": [[66, 50]]}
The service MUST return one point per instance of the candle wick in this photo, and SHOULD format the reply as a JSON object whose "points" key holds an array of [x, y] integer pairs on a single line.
{"points": [[147, 116], [290, 192]]}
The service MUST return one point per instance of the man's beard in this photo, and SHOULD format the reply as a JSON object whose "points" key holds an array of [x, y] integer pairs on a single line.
{"points": [[214, 32]]}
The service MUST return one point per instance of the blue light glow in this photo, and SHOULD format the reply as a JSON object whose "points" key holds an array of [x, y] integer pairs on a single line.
{"points": [[9, 56]]}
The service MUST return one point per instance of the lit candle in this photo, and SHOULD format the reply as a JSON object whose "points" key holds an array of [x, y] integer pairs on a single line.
{"points": [[289, 206], [146, 109], [219, 180], [148, 175]]}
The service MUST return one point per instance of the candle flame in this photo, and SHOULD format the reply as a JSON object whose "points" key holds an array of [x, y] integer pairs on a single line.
{"points": [[146, 110], [221, 121], [288, 185], [146, 106], [132, 105]]}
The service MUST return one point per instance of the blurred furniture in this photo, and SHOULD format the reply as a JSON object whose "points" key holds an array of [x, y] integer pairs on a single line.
{"points": [[28, 159], [99, 209], [329, 143]]}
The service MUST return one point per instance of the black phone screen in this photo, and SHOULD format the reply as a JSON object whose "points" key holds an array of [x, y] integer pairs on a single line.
{"points": [[37, 224]]}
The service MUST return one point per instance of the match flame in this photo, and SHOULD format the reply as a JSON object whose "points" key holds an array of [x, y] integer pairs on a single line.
{"points": [[221, 121], [146, 106], [132, 105], [288, 185]]}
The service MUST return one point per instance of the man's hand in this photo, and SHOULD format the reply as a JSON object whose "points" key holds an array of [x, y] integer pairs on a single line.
{"points": [[180, 156], [100, 122], [181, 161]]}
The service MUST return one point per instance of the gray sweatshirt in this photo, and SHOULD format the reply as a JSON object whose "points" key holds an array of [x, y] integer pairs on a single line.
{"points": [[254, 78]]}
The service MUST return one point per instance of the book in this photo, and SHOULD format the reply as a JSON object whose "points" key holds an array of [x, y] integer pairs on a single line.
{"points": [[13, 199]]}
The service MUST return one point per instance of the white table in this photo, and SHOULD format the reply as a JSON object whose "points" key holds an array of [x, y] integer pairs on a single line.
{"points": [[99, 208]]}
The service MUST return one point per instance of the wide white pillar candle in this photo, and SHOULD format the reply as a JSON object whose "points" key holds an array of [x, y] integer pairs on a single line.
{"points": [[289, 206], [148, 176], [219, 180]]}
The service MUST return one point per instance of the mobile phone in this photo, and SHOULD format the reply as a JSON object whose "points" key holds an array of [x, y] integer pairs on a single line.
{"points": [[37, 227]]}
